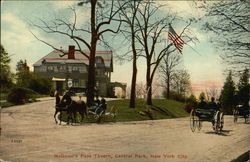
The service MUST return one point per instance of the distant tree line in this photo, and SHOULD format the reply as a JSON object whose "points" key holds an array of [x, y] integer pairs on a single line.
{"points": [[231, 94]]}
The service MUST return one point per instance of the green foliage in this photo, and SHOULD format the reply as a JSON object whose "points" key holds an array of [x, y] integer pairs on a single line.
{"points": [[27, 79], [227, 97], [177, 96], [20, 95], [40, 84], [192, 99], [5, 75], [181, 82], [161, 109], [189, 107], [243, 88], [191, 103], [23, 74]]}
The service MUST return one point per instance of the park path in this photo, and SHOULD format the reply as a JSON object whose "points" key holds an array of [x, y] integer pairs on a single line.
{"points": [[29, 133]]}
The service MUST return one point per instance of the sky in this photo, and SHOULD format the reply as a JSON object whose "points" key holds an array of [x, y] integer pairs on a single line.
{"points": [[202, 61]]}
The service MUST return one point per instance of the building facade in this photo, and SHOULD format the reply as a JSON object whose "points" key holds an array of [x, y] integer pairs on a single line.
{"points": [[69, 70]]}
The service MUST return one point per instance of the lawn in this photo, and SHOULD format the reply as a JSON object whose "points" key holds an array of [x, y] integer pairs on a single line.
{"points": [[161, 109]]}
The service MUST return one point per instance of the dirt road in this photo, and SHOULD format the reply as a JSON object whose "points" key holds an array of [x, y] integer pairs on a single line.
{"points": [[29, 133]]}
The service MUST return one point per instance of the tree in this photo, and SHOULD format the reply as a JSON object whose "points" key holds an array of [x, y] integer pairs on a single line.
{"points": [[5, 75], [41, 85], [243, 88], [151, 36], [229, 22], [227, 97], [211, 92], [167, 69], [181, 82], [192, 99], [100, 24], [23, 74], [128, 14]]}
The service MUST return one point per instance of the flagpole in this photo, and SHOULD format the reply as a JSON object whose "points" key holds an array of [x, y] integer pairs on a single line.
{"points": [[193, 49], [176, 36]]}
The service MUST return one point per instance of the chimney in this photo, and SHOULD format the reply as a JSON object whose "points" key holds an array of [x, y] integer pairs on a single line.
{"points": [[71, 52]]}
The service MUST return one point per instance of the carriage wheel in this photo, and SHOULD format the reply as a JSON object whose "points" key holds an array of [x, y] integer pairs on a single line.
{"points": [[246, 118], [193, 120], [199, 125], [216, 125], [114, 112], [235, 114], [96, 116], [58, 117], [221, 121]]}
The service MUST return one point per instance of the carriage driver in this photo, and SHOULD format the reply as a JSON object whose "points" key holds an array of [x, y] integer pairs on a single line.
{"points": [[212, 104], [103, 104], [57, 98], [67, 98], [202, 104], [97, 101]]}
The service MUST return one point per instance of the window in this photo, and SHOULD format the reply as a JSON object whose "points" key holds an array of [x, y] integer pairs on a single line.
{"points": [[55, 69], [50, 68], [98, 60], [82, 83], [75, 69], [76, 83], [70, 69], [43, 69], [61, 68], [82, 69]]}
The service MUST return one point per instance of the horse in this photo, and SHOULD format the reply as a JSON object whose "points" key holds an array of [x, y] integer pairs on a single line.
{"points": [[60, 107], [71, 107]]}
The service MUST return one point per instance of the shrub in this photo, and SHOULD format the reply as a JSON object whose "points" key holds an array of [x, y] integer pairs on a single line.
{"points": [[177, 97], [188, 107], [20, 95], [40, 84]]}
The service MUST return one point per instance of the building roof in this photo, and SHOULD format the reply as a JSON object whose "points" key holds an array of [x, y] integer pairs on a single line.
{"points": [[54, 57]]}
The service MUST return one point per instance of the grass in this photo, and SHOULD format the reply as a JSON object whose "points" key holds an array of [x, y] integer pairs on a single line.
{"points": [[161, 109], [3, 96], [6, 104]]}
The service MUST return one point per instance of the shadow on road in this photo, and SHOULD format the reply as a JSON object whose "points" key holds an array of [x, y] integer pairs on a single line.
{"points": [[222, 133]]}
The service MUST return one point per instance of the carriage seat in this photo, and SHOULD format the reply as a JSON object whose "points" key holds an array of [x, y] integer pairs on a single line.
{"points": [[205, 113], [243, 109]]}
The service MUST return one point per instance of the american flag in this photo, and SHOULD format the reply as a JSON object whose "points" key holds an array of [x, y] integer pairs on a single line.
{"points": [[173, 36]]}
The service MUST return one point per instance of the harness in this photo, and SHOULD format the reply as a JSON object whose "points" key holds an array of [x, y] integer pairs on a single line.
{"points": [[70, 103]]}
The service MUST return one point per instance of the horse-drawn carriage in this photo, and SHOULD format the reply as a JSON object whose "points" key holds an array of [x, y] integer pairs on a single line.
{"points": [[241, 111], [98, 111], [72, 108], [207, 114]]}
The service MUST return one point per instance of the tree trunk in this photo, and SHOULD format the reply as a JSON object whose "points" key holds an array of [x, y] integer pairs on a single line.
{"points": [[149, 84], [133, 85], [134, 75], [91, 69], [149, 92], [91, 78], [168, 87]]}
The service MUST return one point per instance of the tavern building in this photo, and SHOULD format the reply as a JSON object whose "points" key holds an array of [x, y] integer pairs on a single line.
{"points": [[70, 71]]}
